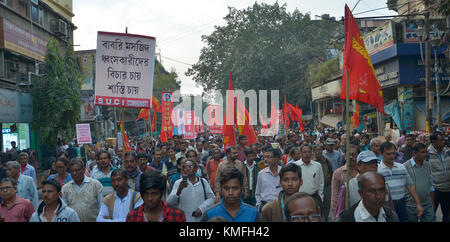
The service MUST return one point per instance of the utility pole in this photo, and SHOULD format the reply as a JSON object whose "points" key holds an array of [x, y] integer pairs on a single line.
{"points": [[428, 94], [438, 98]]}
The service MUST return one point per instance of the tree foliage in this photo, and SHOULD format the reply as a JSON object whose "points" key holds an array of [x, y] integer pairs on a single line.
{"points": [[57, 95], [265, 48], [321, 72]]}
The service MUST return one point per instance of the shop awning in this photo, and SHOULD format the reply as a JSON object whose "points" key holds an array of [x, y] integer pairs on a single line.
{"points": [[444, 106], [331, 119]]}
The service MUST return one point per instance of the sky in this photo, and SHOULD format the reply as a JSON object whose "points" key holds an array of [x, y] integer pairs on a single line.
{"points": [[178, 25]]}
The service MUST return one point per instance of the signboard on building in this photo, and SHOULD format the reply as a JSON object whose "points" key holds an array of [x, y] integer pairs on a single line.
{"points": [[380, 39], [88, 110], [15, 107], [331, 89], [388, 73], [15, 38], [437, 29], [86, 61], [83, 134], [124, 70]]}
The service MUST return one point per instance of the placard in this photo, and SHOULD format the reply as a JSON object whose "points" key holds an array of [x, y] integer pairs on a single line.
{"points": [[124, 70], [83, 134]]}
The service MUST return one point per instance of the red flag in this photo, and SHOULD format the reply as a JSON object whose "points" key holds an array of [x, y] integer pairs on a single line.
{"points": [[355, 117], [127, 143], [156, 105], [274, 118], [363, 82], [263, 123], [286, 114], [154, 122], [228, 129], [246, 128], [143, 114]]}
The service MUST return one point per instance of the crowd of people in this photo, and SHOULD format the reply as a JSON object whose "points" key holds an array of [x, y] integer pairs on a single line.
{"points": [[298, 177]]}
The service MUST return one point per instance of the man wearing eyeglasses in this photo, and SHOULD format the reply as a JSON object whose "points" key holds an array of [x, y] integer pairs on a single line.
{"points": [[192, 194], [13, 208], [301, 207]]}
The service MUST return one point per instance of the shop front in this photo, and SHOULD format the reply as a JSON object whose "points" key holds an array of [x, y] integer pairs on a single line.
{"points": [[16, 115]]}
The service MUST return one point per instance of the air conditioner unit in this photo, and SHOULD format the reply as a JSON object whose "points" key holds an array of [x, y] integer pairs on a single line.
{"points": [[59, 27]]}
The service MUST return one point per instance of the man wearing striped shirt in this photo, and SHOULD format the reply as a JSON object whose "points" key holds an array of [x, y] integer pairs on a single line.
{"points": [[397, 179], [102, 172]]}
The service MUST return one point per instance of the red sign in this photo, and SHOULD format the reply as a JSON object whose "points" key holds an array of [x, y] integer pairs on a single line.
{"points": [[189, 125], [166, 125]]}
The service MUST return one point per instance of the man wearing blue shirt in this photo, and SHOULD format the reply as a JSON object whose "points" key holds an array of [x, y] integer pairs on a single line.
{"points": [[231, 206]]}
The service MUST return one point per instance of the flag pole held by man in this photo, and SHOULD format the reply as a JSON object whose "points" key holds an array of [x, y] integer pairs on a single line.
{"points": [[359, 81]]}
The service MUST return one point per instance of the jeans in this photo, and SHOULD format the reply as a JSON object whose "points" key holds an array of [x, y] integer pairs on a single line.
{"points": [[442, 198], [400, 210], [427, 216]]}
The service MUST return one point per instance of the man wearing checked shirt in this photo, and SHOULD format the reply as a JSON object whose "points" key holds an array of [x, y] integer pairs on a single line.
{"points": [[397, 179]]}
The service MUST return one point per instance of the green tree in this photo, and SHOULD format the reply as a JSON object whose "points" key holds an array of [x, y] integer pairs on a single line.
{"points": [[57, 96], [265, 48]]}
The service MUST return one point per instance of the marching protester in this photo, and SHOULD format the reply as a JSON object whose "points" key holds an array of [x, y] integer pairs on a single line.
{"points": [[83, 194], [231, 206], [152, 188], [290, 181], [53, 208], [372, 190], [117, 205], [25, 186], [192, 194], [13, 208]]}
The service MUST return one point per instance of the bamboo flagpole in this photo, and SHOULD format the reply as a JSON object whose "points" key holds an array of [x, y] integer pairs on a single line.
{"points": [[347, 144]]}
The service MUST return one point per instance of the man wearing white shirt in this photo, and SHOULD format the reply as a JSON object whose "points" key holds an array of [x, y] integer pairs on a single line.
{"points": [[372, 190], [192, 194], [268, 182], [117, 205], [312, 174]]}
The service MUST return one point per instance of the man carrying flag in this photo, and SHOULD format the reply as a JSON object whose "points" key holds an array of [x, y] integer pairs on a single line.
{"points": [[359, 81]]}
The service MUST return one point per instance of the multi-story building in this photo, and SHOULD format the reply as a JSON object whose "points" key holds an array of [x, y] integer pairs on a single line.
{"points": [[25, 28], [397, 52]]}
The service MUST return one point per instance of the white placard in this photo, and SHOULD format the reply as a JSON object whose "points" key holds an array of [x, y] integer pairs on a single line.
{"points": [[124, 70], [83, 134]]}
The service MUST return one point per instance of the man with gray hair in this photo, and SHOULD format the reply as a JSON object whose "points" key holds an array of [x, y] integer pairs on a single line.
{"points": [[372, 190], [26, 188], [25, 168], [375, 144]]}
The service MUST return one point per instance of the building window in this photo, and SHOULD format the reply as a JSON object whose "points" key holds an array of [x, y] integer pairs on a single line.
{"points": [[37, 15]]}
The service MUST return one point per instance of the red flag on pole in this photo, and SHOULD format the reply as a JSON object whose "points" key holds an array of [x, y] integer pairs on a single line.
{"points": [[363, 82], [245, 129], [154, 122], [156, 105], [355, 117], [228, 129], [143, 114]]}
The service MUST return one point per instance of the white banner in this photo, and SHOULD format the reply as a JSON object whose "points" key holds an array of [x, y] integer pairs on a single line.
{"points": [[124, 70]]}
